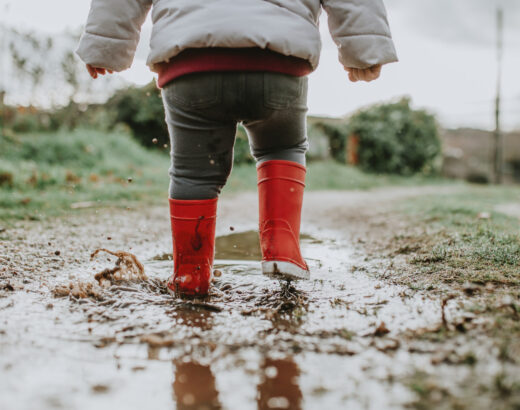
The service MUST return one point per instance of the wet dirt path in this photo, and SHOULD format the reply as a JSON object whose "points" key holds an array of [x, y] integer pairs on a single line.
{"points": [[334, 341]]}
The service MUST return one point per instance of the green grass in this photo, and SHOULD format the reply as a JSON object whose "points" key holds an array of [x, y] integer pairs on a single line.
{"points": [[466, 239], [465, 247], [331, 175], [45, 174]]}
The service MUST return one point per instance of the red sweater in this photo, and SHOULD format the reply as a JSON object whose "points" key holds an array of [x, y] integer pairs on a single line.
{"points": [[195, 60]]}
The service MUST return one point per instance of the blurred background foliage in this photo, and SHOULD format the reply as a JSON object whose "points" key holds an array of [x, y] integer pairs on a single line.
{"points": [[392, 138], [44, 173], [116, 153], [56, 125]]}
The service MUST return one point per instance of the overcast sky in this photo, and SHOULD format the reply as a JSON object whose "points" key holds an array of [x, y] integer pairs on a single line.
{"points": [[446, 50]]}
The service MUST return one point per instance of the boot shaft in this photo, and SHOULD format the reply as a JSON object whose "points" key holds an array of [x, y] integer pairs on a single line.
{"points": [[193, 229], [280, 192], [193, 236]]}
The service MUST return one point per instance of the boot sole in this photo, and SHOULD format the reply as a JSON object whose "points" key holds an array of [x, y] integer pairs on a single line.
{"points": [[185, 295], [176, 294], [284, 271]]}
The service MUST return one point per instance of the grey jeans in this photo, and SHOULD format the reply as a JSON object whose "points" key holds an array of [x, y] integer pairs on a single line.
{"points": [[202, 112]]}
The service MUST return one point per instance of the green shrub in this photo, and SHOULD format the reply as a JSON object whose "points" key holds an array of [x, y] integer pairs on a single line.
{"points": [[336, 132], [395, 139], [26, 123], [23, 119], [242, 153], [141, 108]]}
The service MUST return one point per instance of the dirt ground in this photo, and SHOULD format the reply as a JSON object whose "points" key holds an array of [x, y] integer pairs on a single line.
{"points": [[357, 335]]}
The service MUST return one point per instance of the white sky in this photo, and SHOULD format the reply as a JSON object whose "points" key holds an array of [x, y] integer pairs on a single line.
{"points": [[446, 50]]}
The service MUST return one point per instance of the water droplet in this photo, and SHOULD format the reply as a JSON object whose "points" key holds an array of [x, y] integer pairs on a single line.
{"points": [[188, 399], [271, 372]]}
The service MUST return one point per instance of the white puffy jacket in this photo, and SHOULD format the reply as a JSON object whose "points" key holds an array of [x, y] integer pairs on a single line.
{"points": [[290, 27]]}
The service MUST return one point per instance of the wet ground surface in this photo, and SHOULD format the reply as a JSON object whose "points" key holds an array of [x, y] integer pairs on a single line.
{"points": [[335, 341]]}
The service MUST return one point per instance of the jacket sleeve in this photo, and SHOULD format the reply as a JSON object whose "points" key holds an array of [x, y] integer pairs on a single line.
{"points": [[360, 30], [112, 33]]}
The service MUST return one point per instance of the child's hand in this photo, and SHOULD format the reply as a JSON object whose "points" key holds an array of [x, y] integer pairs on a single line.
{"points": [[95, 71], [364, 74]]}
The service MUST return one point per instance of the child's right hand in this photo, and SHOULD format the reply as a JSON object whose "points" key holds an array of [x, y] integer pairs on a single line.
{"points": [[95, 71], [364, 74]]}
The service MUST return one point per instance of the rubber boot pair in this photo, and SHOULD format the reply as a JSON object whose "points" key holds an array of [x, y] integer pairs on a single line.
{"points": [[280, 193]]}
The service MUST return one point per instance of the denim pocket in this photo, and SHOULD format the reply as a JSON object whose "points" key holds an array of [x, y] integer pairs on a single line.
{"points": [[282, 91], [199, 90]]}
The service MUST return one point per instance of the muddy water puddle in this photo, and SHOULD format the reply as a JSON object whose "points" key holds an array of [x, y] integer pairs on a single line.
{"points": [[253, 343]]}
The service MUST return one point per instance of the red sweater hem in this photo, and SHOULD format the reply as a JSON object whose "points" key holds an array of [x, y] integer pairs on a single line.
{"points": [[196, 60]]}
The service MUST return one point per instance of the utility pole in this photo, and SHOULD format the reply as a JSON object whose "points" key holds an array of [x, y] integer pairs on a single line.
{"points": [[2, 113], [3, 57], [498, 137]]}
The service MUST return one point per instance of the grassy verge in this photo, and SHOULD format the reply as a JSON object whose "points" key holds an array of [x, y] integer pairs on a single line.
{"points": [[460, 246], [50, 173], [331, 175], [463, 238], [46, 174]]}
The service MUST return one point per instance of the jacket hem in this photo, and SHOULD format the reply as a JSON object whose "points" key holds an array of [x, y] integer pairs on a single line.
{"points": [[230, 59]]}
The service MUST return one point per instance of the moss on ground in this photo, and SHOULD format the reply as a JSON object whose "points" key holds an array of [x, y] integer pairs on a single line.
{"points": [[460, 238]]}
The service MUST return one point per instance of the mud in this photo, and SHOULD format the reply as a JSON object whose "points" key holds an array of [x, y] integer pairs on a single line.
{"points": [[79, 290], [348, 338], [128, 268]]}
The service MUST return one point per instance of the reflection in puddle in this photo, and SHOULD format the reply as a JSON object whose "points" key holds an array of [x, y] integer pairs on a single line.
{"points": [[193, 316], [194, 387], [238, 246], [279, 388], [245, 246]]}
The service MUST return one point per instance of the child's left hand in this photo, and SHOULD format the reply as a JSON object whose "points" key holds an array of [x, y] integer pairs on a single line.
{"points": [[364, 74], [95, 71]]}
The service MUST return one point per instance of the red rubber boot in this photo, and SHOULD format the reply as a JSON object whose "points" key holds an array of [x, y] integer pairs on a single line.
{"points": [[280, 194], [193, 232]]}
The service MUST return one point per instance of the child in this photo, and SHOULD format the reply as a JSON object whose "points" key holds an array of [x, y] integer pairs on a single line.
{"points": [[221, 62]]}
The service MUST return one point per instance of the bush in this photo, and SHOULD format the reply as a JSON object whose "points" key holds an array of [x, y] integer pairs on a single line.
{"points": [[336, 131], [395, 139], [242, 152], [141, 108], [23, 119]]}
